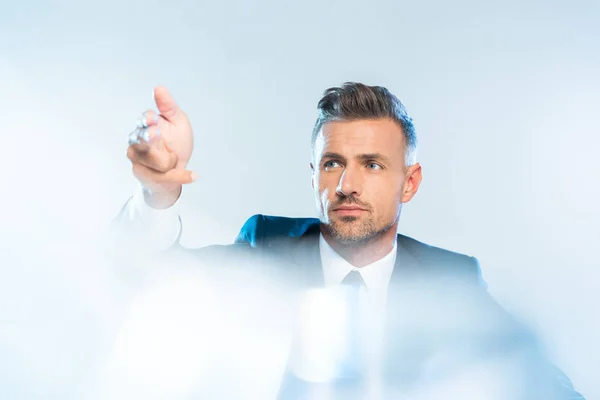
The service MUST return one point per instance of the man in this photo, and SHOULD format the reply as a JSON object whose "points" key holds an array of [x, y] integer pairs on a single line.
{"points": [[418, 316]]}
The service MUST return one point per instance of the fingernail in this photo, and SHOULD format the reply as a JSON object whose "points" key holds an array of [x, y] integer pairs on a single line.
{"points": [[145, 119], [133, 137], [144, 134], [141, 123], [193, 176], [156, 118]]}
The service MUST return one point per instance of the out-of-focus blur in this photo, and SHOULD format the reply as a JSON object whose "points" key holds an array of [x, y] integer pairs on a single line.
{"points": [[504, 99]]}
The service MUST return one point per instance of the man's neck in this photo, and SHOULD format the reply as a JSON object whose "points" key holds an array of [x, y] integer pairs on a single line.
{"points": [[366, 253]]}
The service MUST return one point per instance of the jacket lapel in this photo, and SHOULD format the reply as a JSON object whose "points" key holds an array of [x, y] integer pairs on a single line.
{"points": [[406, 265]]}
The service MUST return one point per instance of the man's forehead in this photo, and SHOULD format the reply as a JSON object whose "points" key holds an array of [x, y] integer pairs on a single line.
{"points": [[362, 136]]}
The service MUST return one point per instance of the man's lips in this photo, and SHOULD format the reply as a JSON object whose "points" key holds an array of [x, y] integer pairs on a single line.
{"points": [[349, 208]]}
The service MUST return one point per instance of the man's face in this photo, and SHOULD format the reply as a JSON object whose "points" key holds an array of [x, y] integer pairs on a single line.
{"points": [[360, 178]]}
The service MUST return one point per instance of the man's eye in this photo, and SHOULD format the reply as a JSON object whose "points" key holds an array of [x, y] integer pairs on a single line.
{"points": [[331, 164], [374, 166]]}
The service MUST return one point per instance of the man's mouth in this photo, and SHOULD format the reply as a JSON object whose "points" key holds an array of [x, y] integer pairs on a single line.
{"points": [[349, 210]]}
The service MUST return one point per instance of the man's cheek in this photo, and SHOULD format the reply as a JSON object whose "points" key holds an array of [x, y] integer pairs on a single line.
{"points": [[323, 197]]}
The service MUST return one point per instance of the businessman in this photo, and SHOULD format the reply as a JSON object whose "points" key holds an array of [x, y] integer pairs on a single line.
{"points": [[414, 312]]}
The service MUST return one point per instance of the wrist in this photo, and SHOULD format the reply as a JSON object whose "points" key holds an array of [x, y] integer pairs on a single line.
{"points": [[161, 200]]}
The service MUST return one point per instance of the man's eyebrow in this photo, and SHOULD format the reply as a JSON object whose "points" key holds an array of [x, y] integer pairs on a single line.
{"points": [[330, 154], [361, 157], [373, 156]]}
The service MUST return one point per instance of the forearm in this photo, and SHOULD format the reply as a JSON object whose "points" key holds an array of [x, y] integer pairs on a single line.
{"points": [[151, 225]]}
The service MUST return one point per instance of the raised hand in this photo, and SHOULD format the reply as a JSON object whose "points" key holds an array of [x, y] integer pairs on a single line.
{"points": [[160, 149]]}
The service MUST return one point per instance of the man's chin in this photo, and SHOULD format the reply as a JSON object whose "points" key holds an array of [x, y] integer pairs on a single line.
{"points": [[348, 240], [349, 236], [341, 220], [348, 219]]}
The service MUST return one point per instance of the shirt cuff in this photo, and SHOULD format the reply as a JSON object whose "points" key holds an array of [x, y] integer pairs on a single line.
{"points": [[162, 226]]}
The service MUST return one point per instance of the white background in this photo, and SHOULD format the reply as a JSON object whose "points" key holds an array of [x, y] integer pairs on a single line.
{"points": [[504, 96]]}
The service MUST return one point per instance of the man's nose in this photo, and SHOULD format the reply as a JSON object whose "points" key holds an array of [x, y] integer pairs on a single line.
{"points": [[351, 183]]}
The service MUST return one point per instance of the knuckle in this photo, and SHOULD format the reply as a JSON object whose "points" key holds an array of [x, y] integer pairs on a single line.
{"points": [[161, 161], [154, 161], [164, 165], [150, 117], [131, 154]]}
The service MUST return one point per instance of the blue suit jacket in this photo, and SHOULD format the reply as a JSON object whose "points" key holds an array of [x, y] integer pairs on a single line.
{"points": [[438, 304]]}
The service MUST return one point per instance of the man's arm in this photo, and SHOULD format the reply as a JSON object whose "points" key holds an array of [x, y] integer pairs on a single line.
{"points": [[159, 151]]}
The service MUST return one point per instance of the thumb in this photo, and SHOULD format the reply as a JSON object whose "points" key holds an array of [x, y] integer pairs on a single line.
{"points": [[165, 103], [176, 175]]}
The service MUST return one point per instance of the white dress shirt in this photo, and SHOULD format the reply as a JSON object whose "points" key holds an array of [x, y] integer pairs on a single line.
{"points": [[373, 297], [372, 307], [375, 275]]}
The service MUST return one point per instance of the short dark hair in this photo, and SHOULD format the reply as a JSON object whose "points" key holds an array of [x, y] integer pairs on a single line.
{"points": [[355, 101]]}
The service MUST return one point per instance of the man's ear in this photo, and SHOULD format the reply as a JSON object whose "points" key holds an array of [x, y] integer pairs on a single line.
{"points": [[414, 176], [312, 175]]}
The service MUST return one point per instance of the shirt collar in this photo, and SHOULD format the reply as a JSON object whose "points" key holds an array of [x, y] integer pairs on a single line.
{"points": [[335, 268]]}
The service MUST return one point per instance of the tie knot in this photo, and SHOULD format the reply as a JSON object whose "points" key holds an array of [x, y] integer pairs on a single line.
{"points": [[354, 280]]}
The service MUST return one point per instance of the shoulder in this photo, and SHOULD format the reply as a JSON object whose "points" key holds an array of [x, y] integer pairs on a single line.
{"points": [[424, 251], [259, 229], [438, 260]]}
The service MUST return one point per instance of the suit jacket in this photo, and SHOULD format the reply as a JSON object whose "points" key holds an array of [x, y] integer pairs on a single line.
{"points": [[441, 323], [442, 326]]}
